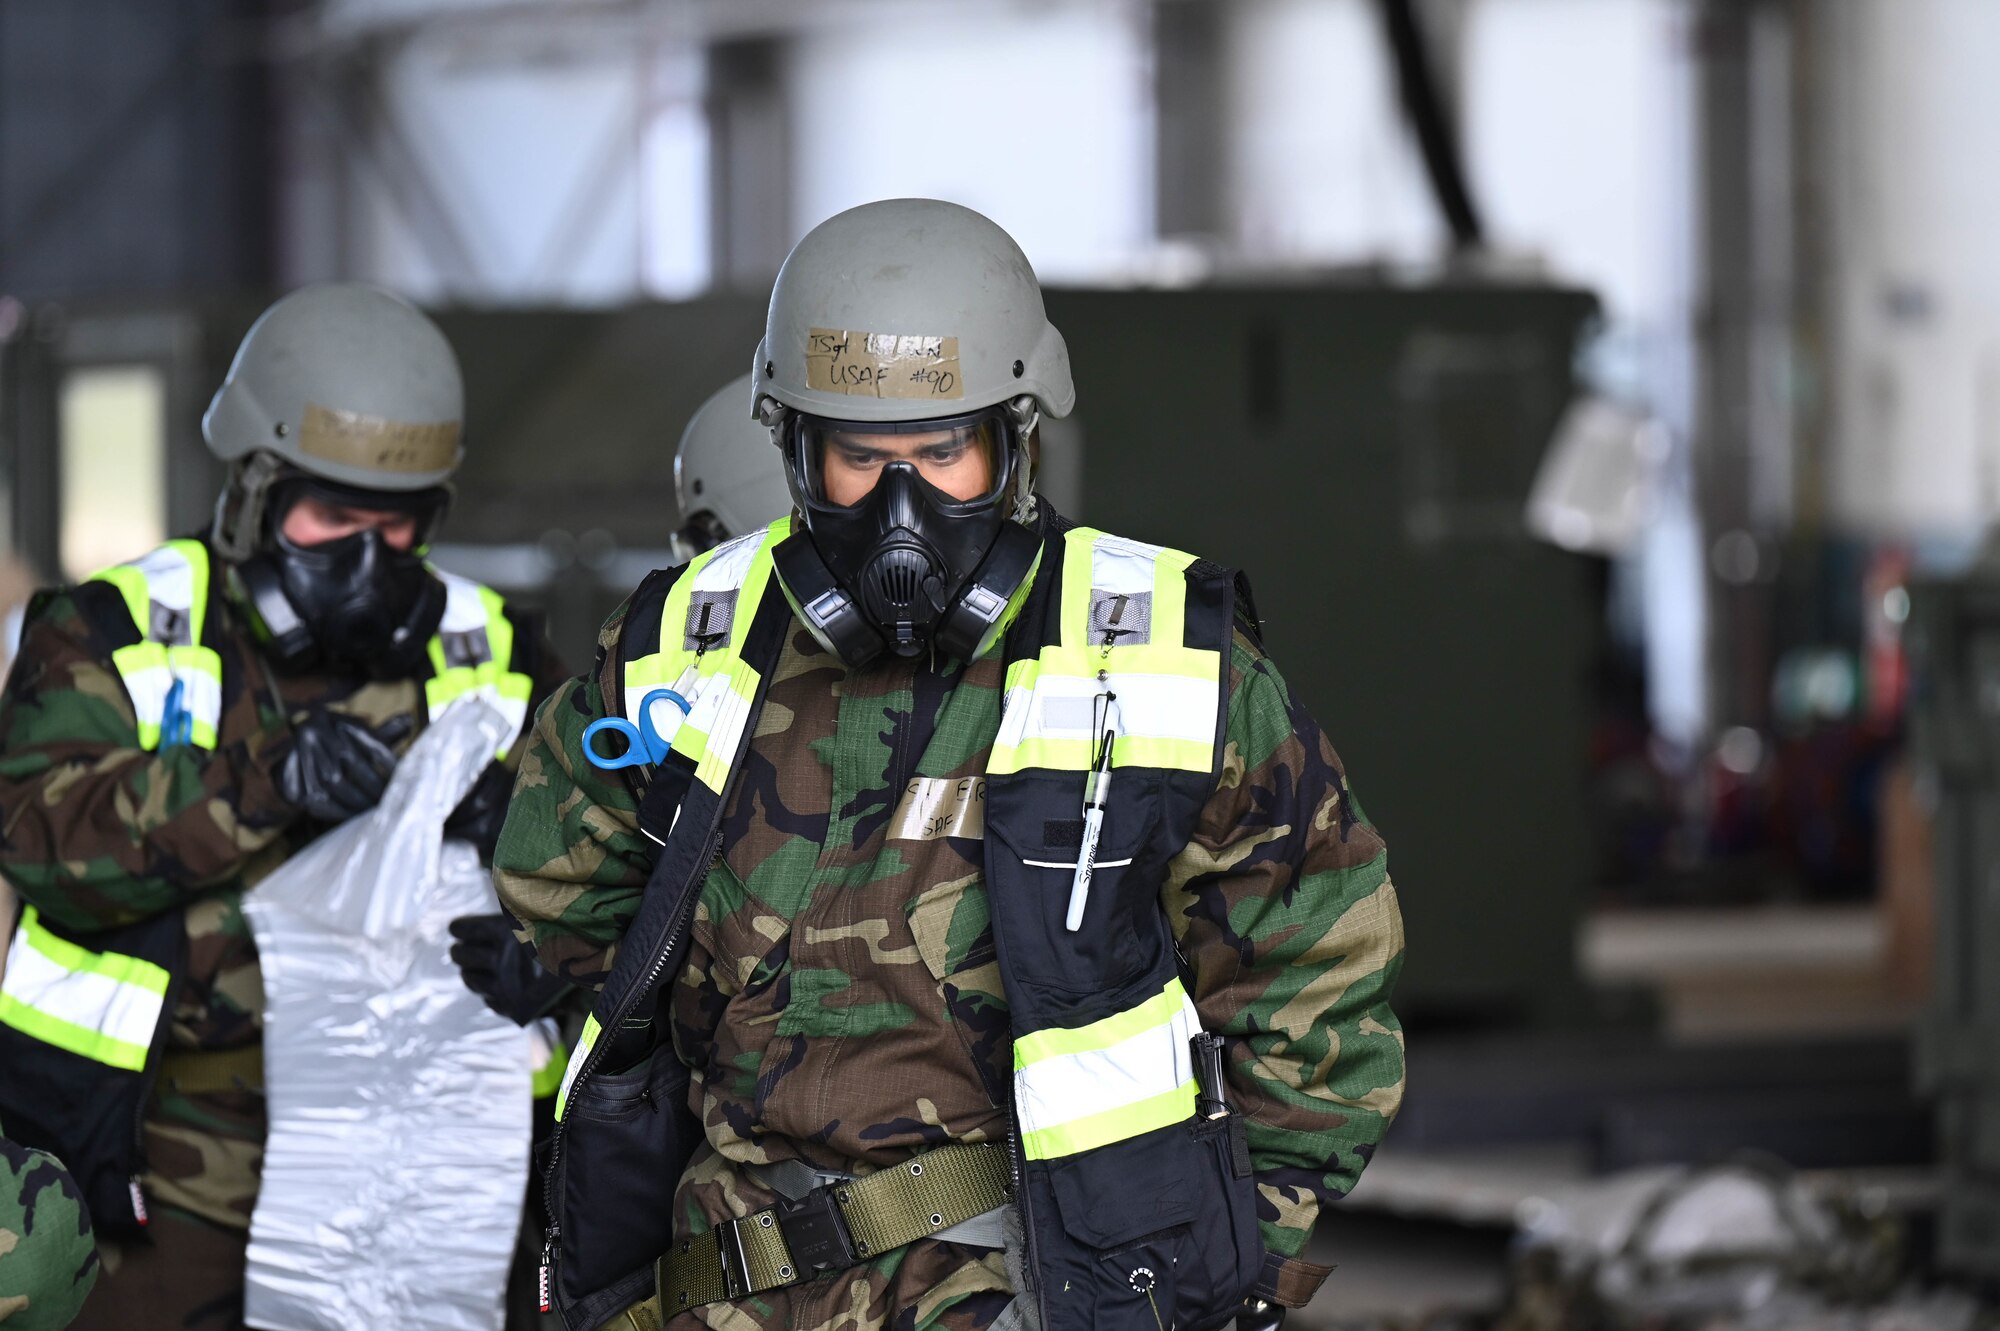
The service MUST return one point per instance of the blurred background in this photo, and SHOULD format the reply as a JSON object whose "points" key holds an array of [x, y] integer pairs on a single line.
{"points": [[1603, 394]]}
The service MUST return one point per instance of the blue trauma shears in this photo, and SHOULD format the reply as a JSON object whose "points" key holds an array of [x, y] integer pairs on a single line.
{"points": [[644, 746], [176, 721]]}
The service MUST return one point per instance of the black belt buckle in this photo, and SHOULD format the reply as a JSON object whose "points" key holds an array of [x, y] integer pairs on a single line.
{"points": [[816, 1232]]}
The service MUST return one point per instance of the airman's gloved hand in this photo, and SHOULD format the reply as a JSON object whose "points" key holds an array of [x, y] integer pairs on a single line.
{"points": [[502, 970], [479, 815], [338, 765]]}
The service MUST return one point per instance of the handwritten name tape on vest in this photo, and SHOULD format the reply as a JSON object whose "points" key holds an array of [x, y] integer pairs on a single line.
{"points": [[933, 807], [901, 365]]}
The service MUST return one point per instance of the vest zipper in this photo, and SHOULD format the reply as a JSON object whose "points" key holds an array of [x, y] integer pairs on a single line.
{"points": [[1030, 1266], [551, 1191], [551, 1244]]}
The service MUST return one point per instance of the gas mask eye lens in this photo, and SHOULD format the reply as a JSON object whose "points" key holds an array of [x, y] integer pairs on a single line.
{"points": [[963, 458]]}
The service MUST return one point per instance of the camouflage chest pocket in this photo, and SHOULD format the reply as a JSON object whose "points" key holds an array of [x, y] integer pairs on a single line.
{"points": [[953, 929]]}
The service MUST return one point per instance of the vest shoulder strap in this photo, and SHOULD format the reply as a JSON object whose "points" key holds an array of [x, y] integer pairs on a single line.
{"points": [[1148, 625], [172, 676], [694, 647], [474, 653]]}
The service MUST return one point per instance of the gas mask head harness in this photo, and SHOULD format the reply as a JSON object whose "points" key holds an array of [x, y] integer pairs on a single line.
{"points": [[353, 603], [908, 567]]}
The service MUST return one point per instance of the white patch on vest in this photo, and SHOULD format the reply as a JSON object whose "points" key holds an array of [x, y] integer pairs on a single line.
{"points": [[169, 579], [127, 1013], [201, 694], [1052, 1091], [464, 608], [729, 566], [1152, 706], [1121, 566]]}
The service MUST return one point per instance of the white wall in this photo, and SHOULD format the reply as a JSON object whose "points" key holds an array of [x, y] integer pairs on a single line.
{"points": [[1915, 369], [572, 172], [1576, 117], [1322, 169], [1038, 116]]}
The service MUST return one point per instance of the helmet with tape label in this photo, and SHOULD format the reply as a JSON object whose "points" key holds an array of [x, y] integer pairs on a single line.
{"points": [[729, 477], [342, 398], [345, 382], [342, 382], [909, 309]]}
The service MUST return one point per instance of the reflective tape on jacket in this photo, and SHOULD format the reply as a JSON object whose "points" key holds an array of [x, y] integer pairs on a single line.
{"points": [[166, 593], [471, 655], [702, 626], [1081, 1087], [100, 1005], [585, 1042], [547, 1058], [1124, 614]]}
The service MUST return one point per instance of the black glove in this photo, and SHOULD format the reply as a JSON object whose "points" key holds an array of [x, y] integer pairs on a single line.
{"points": [[338, 766], [502, 970], [479, 815], [1258, 1315]]}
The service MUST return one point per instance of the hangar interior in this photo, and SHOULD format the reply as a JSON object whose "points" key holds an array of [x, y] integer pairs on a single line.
{"points": [[1603, 396]]}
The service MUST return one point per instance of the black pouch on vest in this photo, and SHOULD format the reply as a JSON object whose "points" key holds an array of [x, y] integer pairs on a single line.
{"points": [[627, 1165]]}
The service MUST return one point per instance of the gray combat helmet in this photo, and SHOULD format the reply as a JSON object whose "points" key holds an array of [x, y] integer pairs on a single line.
{"points": [[726, 466], [905, 310], [344, 382]]}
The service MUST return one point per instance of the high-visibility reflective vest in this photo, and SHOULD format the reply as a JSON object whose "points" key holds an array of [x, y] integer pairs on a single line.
{"points": [[1139, 1213], [175, 679], [82, 1018]]}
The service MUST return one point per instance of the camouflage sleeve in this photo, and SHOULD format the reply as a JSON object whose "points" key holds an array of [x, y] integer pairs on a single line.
{"points": [[571, 864], [1284, 909], [94, 830]]}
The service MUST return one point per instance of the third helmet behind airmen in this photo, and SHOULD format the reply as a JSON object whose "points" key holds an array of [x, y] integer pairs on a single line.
{"points": [[728, 480], [921, 320], [348, 396]]}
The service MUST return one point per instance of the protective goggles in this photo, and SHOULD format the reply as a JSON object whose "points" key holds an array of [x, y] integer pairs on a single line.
{"points": [[836, 456]]}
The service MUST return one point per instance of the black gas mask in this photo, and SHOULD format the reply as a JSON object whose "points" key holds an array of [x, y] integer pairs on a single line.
{"points": [[908, 568], [354, 603]]}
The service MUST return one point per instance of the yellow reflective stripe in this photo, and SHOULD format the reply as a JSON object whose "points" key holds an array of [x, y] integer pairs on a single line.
{"points": [[136, 971], [509, 688], [1168, 698], [549, 1077], [724, 683], [100, 990], [79, 1040], [196, 555], [1059, 1041], [1112, 1125], [149, 672], [499, 629], [1075, 611], [584, 1042], [1170, 597], [198, 669]]}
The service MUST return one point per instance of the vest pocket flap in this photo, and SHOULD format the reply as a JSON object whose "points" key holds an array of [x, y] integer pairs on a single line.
{"points": [[1117, 1193], [1043, 824]]}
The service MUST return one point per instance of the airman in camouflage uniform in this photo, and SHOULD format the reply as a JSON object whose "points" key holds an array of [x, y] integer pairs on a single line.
{"points": [[103, 830], [47, 1260], [841, 1001]]}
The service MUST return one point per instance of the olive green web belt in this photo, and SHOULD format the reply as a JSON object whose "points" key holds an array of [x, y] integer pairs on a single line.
{"points": [[830, 1228]]}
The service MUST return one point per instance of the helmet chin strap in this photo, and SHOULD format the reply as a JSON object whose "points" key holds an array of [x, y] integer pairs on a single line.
{"points": [[239, 510], [1027, 419]]}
